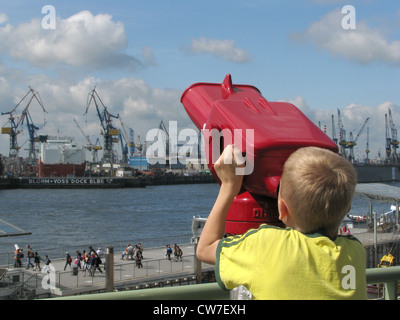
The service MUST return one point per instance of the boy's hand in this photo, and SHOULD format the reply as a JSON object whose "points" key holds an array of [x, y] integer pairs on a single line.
{"points": [[231, 181], [227, 168]]}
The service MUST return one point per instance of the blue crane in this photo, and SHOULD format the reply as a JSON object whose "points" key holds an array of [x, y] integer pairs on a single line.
{"points": [[108, 129], [14, 129]]}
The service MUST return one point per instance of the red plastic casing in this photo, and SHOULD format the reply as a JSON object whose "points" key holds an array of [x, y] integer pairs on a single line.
{"points": [[267, 132]]}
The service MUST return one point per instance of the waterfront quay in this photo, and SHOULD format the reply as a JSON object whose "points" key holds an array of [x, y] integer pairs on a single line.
{"points": [[157, 271]]}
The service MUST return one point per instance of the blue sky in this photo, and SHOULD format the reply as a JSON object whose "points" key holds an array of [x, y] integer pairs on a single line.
{"points": [[141, 55]]}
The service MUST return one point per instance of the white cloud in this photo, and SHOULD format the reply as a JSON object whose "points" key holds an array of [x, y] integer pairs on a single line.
{"points": [[141, 107], [82, 40], [224, 49], [353, 117], [363, 44], [3, 18]]}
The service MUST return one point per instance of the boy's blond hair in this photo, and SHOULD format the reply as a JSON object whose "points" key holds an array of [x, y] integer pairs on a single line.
{"points": [[318, 187]]}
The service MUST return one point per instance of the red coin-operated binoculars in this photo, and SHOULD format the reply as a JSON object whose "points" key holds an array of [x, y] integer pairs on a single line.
{"points": [[266, 132]]}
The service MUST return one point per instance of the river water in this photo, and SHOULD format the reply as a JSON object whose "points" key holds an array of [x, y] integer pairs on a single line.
{"points": [[72, 217]]}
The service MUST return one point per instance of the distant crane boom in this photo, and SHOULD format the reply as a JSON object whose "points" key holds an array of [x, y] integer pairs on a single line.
{"points": [[362, 128]]}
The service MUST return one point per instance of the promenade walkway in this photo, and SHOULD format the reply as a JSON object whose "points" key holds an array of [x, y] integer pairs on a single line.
{"points": [[157, 270]]}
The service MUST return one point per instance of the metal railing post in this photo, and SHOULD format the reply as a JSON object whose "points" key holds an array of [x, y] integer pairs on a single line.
{"points": [[109, 269], [197, 264]]}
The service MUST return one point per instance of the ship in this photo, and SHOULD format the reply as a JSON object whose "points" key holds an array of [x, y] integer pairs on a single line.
{"points": [[61, 157]]}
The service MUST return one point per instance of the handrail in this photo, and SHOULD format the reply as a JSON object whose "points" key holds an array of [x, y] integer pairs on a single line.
{"points": [[389, 276], [204, 291], [22, 285], [211, 291]]}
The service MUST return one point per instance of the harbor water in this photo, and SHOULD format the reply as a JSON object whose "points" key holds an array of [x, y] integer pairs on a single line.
{"points": [[73, 217], [78, 217]]}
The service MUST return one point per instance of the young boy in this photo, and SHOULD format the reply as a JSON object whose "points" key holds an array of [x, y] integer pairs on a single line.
{"points": [[305, 260]]}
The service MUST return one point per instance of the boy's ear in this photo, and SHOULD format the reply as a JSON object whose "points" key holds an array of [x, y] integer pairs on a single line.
{"points": [[283, 210]]}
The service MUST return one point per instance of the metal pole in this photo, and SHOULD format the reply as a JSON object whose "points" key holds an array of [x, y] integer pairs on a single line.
{"points": [[109, 269], [197, 264], [370, 209], [375, 238]]}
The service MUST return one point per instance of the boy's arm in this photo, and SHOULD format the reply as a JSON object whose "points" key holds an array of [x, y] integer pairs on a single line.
{"points": [[214, 228]]}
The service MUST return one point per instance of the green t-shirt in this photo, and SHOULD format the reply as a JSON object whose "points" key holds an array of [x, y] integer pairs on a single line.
{"points": [[276, 263]]}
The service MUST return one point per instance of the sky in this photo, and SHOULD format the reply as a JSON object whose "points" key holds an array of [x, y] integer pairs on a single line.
{"points": [[140, 55]]}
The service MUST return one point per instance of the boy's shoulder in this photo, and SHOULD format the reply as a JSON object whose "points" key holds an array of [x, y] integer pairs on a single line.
{"points": [[278, 235]]}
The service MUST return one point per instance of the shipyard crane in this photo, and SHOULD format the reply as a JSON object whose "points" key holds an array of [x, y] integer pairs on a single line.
{"points": [[352, 143], [334, 130], [342, 136], [388, 139], [124, 148], [108, 129], [367, 151], [89, 145], [139, 146], [131, 142], [97, 147], [14, 129], [163, 128], [32, 158], [125, 138], [394, 142]]}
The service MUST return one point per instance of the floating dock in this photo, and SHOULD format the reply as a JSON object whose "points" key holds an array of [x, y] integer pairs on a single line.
{"points": [[101, 182]]}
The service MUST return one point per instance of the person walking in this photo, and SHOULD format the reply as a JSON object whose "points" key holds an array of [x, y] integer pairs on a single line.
{"points": [[78, 259], [138, 257], [47, 262], [30, 256], [98, 262], [169, 252], [68, 261], [86, 265], [37, 261]]}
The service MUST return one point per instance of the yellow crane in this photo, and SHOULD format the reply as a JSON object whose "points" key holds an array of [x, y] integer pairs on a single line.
{"points": [[352, 143]]}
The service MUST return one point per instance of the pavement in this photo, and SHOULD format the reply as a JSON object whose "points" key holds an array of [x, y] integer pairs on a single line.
{"points": [[157, 270]]}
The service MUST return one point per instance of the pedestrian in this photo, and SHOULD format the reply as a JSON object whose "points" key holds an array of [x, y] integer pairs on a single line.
{"points": [[98, 263], [86, 265], [138, 258], [68, 261], [29, 255], [78, 259], [129, 252], [179, 253], [94, 263], [168, 252], [37, 261], [18, 256], [140, 248], [47, 262]]}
